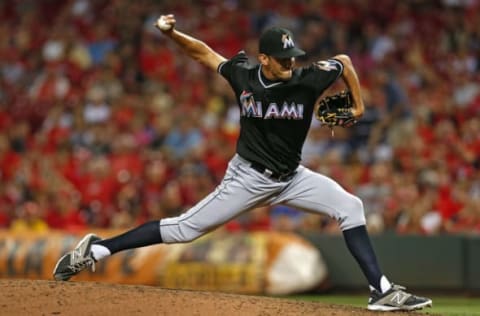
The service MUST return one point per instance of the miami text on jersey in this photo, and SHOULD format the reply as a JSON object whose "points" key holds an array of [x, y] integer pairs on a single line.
{"points": [[252, 108]]}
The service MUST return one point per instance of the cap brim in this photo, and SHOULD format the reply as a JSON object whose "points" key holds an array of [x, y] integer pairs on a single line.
{"points": [[293, 52]]}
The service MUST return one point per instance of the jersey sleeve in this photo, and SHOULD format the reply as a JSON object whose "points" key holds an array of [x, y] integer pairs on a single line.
{"points": [[323, 73], [229, 68]]}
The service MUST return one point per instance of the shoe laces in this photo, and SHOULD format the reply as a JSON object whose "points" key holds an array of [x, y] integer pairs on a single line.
{"points": [[85, 263], [394, 287], [398, 287]]}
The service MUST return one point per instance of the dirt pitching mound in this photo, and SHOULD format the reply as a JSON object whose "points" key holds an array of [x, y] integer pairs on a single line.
{"points": [[27, 297]]}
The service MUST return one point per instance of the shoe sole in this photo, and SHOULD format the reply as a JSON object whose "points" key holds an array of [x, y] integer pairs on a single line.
{"points": [[65, 276], [60, 276], [382, 308]]}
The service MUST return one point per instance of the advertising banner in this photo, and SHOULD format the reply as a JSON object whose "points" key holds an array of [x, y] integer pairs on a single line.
{"points": [[255, 263]]}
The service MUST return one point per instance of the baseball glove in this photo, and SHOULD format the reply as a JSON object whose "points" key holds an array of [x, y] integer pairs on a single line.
{"points": [[336, 110]]}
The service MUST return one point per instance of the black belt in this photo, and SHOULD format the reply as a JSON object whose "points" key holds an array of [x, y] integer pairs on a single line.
{"points": [[279, 177]]}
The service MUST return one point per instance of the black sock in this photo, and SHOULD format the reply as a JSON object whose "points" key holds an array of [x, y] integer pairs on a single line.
{"points": [[144, 235], [358, 243]]}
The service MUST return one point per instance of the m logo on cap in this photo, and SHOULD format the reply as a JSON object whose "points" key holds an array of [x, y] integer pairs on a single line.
{"points": [[287, 41], [278, 42]]}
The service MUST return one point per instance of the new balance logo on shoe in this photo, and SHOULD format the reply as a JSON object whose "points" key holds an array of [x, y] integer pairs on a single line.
{"points": [[396, 299], [399, 298]]}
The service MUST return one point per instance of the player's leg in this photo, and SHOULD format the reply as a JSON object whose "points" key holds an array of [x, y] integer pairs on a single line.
{"points": [[238, 192], [314, 192]]}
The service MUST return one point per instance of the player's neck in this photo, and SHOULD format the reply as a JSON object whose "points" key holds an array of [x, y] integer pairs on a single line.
{"points": [[267, 77]]}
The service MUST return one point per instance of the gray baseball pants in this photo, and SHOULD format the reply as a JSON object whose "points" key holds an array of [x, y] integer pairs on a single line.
{"points": [[243, 189]]}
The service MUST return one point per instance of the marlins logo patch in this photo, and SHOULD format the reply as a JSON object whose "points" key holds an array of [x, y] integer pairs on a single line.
{"points": [[249, 107], [287, 41]]}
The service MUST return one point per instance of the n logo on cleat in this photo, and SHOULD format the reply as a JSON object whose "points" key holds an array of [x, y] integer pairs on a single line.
{"points": [[399, 298]]}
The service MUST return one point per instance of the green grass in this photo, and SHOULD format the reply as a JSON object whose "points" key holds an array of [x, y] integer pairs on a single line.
{"points": [[443, 305]]}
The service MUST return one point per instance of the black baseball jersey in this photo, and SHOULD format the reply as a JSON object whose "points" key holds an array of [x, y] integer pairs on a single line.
{"points": [[276, 116]]}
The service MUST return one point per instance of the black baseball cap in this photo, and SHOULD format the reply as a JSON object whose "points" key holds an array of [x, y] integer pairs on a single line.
{"points": [[278, 42]]}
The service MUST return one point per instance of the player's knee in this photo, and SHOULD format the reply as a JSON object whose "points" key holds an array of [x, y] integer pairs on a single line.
{"points": [[191, 236], [186, 235], [354, 214], [176, 230]]}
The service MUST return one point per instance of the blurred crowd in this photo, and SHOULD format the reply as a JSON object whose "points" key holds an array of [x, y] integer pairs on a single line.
{"points": [[105, 123]]}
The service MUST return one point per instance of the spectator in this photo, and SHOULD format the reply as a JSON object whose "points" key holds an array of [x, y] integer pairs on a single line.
{"points": [[102, 43], [96, 110], [286, 219], [29, 219], [375, 192], [184, 138], [65, 212]]}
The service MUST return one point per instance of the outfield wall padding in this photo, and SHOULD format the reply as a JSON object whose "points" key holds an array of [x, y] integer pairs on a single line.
{"points": [[261, 263], [445, 262], [472, 264], [256, 263]]}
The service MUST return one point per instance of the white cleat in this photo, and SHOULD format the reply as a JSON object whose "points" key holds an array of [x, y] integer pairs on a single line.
{"points": [[76, 260], [396, 299]]}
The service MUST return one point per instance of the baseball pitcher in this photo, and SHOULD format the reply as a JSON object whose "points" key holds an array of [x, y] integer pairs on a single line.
{"points": [[277, 102]]}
